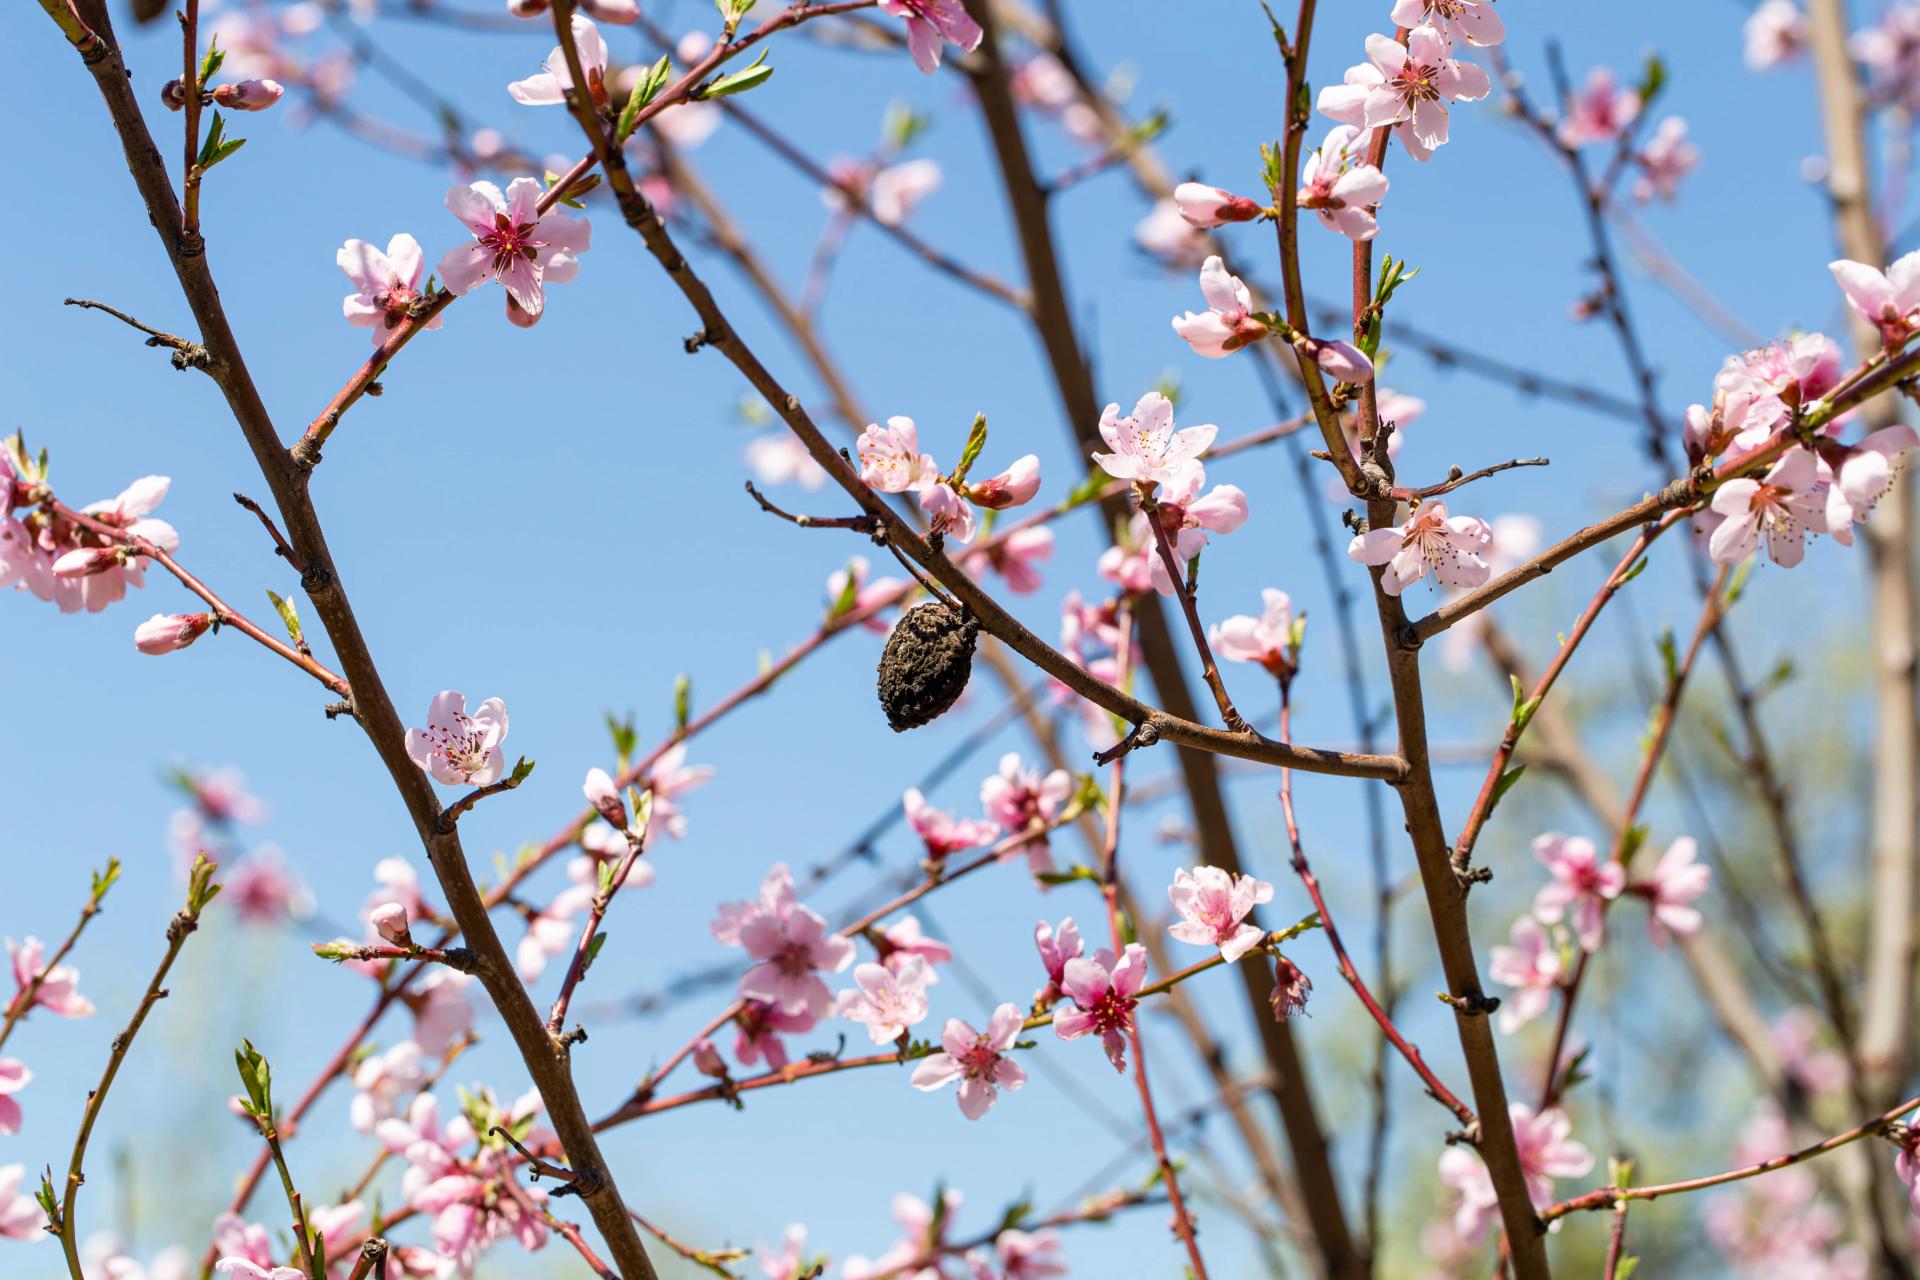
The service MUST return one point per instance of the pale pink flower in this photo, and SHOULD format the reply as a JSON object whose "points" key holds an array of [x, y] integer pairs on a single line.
{"points": [[906, 939], [514, 243], [382, 1081], [1341, 361], [1448, 546], [14, 1076], [1228, 324], [1582, 880], [760, 1026], [922, 1239], [866, 594], [1189, 520], [1677, 880], [254, 1271], [1204, 206], [1014, 487], [249, 95], [56, 993], [1666, 158], [456, 748], [932, 23], [707, 1060], [890, 194], [779, 458], [948, 514], [1214, 906], [669, 778], [941, 831], [1472, 21], [98, 576], [1532, 965], [605, 798], [1266, 640], [398, 882], [389, 920], [1775, 32], [1547, 1151], [167, 632], [222, 797], [789, 942], [791, 1262], [1021, 800], [1166, 234], [1056, 947], [1861, 474], [263, 888], [1104, 994], [441, 1011], [550, 86], [20, 1216], [338, 1225], [977, 1060], [685, 125], [1889, 300], [890, 457], [1890, 50], [1339, 185], [550, 933], [1600, 112], [888, 1001], [1820, 1070], [1758, 391], [1029, 1255], [1783, 505], [385, 285], [1145, 445], [621, 13], [1408, 87], [1013, 557]]}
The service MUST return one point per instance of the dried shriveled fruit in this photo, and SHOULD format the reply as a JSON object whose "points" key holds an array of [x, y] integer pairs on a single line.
{"points": [[926, 663]]}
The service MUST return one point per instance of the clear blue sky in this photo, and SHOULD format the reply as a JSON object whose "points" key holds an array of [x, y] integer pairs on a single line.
{"points": [[555, 518]]}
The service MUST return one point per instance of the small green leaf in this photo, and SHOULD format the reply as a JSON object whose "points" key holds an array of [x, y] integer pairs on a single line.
{"points": [[1739, 581], [1507, 781], [1078, 871], [625, 736], [218, 146], [849, 595], [976, 441], [337, 950], [1279, 32], [593, 951], [522, 770], [645, 90], [289, 616], [1626, 1267], [740, 81], [105, 880], [1639, 567], [211, 63], [1669, 656], [1652, 80], [683, 699]]}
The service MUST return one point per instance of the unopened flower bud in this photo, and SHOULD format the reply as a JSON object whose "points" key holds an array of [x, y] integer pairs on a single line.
{"points": [[173, 95], [1012, 487], [605, 798], [621, 13], [1290, 988], [249, 95], [526, 8], [1204, 206], [389, 920], [707, 1059], [1341, 361], [165, 632], [86, 562]]}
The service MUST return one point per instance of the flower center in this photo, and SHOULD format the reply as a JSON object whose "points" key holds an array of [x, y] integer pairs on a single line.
{"points": [[1113, 1011], [508, 241], [979, 1061], [459, 744]]}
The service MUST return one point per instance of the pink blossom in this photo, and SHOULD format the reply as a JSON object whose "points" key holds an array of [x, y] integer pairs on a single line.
{"points": [[249, 95], [780, 458], [905, 940], [1028, 1255], [890, 194], [1214, 906], [1670, 891], [760, 1026], [948, 514], [514, 243], [1582, 880], [1013, 557], [398, 882], [97, 576], [338, 1225], [1056, 947], [56, 992], [1408, 87], [888, 1001], [167, 632], [254, 1271], [389, 920], [1889, 300], [1430, 540], [605, 798], [1775, 32], [1533, 966], [263, 888], [1861, 474], [1340, 186], [456, 748], [669, 778], [1189, 520], [1547, 1151], [1204, 206], [978, 1061], [890, 457], [1228, 324], [551, 85], [234, 1236], [923, 1237], [930, 24], [866, 594], [14, 1077], [791, 1263], [1783, 505], [1341, 361], [1146, 447], [20, 1216], [941, 831], [1666, 158], [1820, 1070], [1266, 640], [1013, 487], [1166, 234], [1890, 51], [385, 285], [1758, 391], [1600, 112], [1104, 995], [381, 1081], [789, 942], [1473, 21], [707, 1060], [441, 1011], [1021, 800]]}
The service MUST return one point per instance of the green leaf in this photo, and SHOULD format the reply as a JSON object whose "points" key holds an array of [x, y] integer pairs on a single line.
{"points": [[1507, 781], [217, 146], [337, 950], [740, 81], [211, 63], [105, 880], [1271, 173], [976, 441], [289, 616], [1739, 581], [626, 738], [593, 951], [1669, 656], [1279, 32], [1631, 841], [1086, 491], [1652, 80], [645, 90], [683, 698], [1626, 1267], [1639, 567], [1078, 871]]}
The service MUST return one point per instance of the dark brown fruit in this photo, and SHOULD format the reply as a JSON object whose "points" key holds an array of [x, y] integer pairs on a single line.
{"points": [[925, 665]]}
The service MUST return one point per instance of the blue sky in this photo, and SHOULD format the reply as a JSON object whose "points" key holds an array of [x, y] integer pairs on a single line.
{"points": [[555, 518]]}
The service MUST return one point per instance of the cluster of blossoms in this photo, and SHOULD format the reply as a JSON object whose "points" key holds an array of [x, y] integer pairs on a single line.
{"points": [[54, 988], [1547, 1151], [924, 1251], [891, 462], [75, 567], [260, 884], [1163, 464], [1781, 1224]]}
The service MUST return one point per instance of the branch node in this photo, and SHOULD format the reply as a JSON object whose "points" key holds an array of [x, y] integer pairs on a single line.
{"points": [[1471, 1005]]}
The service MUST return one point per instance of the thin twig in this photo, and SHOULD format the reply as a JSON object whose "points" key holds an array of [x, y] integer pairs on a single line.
{"points": [[186, 354]]}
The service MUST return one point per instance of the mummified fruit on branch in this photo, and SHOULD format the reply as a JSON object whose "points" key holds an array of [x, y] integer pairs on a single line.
{"points": [[925, 666]]}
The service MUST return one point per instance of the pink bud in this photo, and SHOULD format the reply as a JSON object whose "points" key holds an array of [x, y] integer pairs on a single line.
{"points": [[1012, 487], [249, 95], [605, 798], [165, 632], [526, 8], [621, 13], [1204, 206], [706, 1059], [390, 922], [86, 562], [173, 95], [1340, 360]]}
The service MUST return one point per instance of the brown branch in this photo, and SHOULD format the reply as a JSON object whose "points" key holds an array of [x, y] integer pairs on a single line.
{"points": [[186, 354]]}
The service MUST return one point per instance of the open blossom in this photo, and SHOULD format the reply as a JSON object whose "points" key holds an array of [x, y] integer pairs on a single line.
{"points": [[263, 888], [94, 575], [459, 748], [791, 1263], [166, 632], [385, 285], [1547, 1151], [866, 593], [1056, 947], [941, 831], [1166, 234], [1145, 445], [56, 992], [890, 193], [1861, 474], [790, 942], [923, 1238], [20, 1216], [383, 1082], [1600, 112], [888, 1000], [1189, 519], [1677, 880], [14, 1077], [1666, 158], [1013, 557], [1783, 505], [977, 1060], [442, 1014], [1204, 206], [1338, 184], [759, 1028], [514, 243], [1889, 300], [906, 940], [550, 86], [930, 24], [779, 458], [1890, 51], [1775, 32], [1021, 799], [1104, 994], [1408, 87], [1583, 881], [1450, 546], [246, 1270], [1473, 21], [1532, 966], [948, 514], [1266, 640], [1229, 323], [890, 457], [1214, 906]]}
